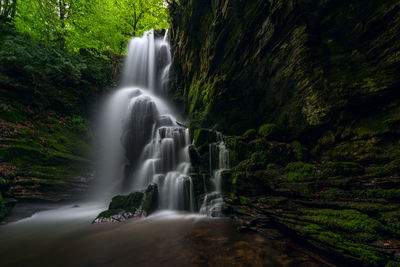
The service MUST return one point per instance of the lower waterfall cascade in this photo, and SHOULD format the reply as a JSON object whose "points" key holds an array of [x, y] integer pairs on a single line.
{"points": [[219, 162]]}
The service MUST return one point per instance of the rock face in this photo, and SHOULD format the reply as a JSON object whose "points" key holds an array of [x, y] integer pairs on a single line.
{"points": [[134, 205], [303, 65], [307, 93]]}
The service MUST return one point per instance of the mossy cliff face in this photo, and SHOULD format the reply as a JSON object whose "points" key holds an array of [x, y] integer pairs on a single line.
{"points": [[303, 65], [307, 93], [348, 210]]}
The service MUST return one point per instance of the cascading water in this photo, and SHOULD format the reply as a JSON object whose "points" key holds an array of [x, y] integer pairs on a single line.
{"points": [[219, 162], [143, 143]]}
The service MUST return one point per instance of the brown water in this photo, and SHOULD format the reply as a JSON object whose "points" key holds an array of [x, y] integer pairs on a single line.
{"points": [[167, 239]]}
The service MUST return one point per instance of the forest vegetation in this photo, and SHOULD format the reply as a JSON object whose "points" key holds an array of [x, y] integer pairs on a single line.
{"points": [[305, 93]]}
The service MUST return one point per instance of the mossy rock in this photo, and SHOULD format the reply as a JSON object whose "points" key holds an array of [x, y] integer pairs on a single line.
{"points": [[130, 202], [268, 130], [109, 213], [300, 171], [350, 221], [137, 203], [250, 134], [150, 203], [204, 136], [300, 151], [194, 156], [394, 166], [377, 171], [335, 169]]}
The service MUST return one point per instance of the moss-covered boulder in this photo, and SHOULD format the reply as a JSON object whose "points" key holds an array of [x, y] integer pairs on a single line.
{"points": [[150, 201], [136, 204], [130, 202]]}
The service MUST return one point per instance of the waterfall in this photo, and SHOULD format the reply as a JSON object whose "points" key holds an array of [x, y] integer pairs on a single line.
{"points": [[142, 142], [219, 162]]}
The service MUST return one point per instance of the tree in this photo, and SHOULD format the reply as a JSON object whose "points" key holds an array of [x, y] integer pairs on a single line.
{"points": [[93, 25], [137, 15], [8, 9]]}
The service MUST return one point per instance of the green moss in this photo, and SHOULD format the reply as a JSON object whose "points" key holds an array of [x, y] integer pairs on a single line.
{"points": [[250, 134], [349, 221], [109, 213], [300, 171], [150, 202], [334, 169], [332, 194], [267, 130], [391, 220], [130, 202], [376, 194], [364, 253], [367, 256], [300, 151], [377, 171], [393, 264], [243, 200], [367, 207], [262, 200], [393, 166]]}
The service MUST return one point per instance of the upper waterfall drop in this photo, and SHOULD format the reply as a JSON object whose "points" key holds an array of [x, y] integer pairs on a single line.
{"points": [[142, 142], [147, 63]]}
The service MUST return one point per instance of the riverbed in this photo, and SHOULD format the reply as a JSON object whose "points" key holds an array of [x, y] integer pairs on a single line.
{"points": [[65, 236]]}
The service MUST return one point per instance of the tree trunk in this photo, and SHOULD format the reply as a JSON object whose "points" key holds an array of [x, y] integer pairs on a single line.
{"points": [[62, 23]]}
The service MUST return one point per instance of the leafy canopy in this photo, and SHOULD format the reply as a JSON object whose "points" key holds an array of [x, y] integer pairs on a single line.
{"points": [[93, 25]]}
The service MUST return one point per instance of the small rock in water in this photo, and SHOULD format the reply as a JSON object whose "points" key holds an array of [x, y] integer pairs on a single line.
{"points": [[135, 205]]}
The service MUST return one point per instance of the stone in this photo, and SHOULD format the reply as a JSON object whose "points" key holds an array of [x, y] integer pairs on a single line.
{"points": [[134, 205]]}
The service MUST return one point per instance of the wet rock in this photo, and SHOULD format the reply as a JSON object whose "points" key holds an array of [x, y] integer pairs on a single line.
{"points": [[194, 155], [204, 136], [150, 202], [134, 205]]}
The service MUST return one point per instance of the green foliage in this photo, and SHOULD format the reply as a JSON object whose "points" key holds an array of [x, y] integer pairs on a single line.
{"points": [[53, 78], [95, 25]]}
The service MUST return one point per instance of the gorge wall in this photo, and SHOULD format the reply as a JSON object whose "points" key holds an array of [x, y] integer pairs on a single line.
{"points": [[307, 94], [303, 65]]}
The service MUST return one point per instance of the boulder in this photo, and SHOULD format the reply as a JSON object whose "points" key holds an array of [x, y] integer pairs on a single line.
{"points": [[134, 205]]}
